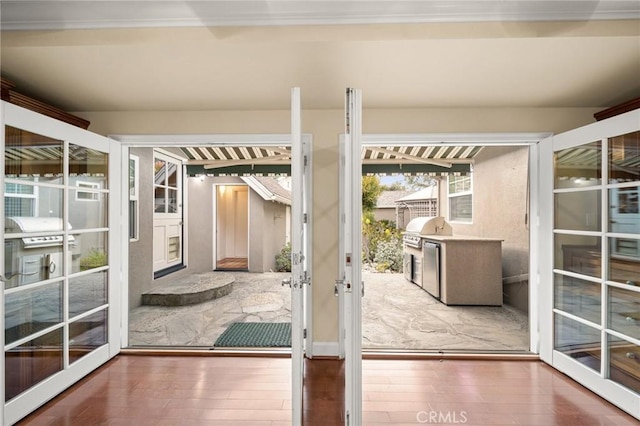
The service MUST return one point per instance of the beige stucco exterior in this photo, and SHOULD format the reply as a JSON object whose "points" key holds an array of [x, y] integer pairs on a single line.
{"points": [[266, 235]]}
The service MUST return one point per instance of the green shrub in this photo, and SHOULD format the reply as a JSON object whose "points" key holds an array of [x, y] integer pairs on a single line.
{"points": [[389, 256], [95, 259], [283, 259], [374, 232]]}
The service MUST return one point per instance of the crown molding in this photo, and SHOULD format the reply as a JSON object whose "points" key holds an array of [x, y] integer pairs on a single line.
{"points": [[60, 15]]}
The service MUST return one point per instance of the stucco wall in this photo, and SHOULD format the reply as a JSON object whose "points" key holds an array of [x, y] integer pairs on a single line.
{"points": [[140, 251], [500, 210], [275, 233], [199, 225], [256, 232], [326, 126]]}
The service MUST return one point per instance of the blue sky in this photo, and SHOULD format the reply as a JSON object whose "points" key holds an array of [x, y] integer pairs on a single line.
{"points": [[388, 180]]}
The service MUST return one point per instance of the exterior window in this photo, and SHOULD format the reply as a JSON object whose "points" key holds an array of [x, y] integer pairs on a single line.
{"points": [[19, 200], [134, 183], [87, 195], [166, 185], [460, 194]]}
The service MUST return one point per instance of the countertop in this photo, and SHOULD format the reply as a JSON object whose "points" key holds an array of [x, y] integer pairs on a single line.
{"points": [[445, 238]]}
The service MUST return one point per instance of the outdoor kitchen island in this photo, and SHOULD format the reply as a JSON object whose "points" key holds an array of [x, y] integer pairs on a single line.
{"points": [[468, 269]]}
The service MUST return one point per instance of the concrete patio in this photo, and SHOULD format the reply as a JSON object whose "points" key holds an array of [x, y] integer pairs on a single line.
{"points": [[396, 315]]}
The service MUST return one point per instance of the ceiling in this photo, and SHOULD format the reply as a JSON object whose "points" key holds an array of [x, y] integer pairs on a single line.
{"points": [[246, 55]]}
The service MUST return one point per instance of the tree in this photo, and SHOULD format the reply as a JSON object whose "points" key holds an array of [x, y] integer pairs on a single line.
{"points": [[416, 183], [371, 190], [395, 186]]}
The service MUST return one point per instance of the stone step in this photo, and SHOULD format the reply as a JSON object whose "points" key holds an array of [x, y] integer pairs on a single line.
{"points": [[190, 290]]}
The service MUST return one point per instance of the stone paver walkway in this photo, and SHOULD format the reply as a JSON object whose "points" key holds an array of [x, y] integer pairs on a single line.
{"points": [[396, 314]]}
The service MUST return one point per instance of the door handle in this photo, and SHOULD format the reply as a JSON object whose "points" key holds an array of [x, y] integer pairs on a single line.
{"points": [[286, 282]]}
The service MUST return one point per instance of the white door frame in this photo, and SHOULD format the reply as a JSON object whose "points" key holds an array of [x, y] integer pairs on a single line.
{"points": [[352, 170], [214, 226], [351, 252], [26, 402], [199, 140], [256, 140]]}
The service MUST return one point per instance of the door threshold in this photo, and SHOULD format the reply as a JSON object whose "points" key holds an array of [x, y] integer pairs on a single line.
{"points": [[418, 354], [203, 351]]}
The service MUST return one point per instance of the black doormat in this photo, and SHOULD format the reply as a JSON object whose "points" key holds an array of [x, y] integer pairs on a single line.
{"points": [[255, 335]]}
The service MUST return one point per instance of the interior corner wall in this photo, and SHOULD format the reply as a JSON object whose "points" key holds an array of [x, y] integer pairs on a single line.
{"points": [[325, 126]]}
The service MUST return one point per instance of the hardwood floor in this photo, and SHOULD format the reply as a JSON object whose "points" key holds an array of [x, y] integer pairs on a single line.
{"points": [[232, 263], [225, 391]]}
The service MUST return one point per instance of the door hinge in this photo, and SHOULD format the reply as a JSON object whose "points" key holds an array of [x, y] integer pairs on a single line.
{"points": [[306, 161], [304, 218], [304, 333]]}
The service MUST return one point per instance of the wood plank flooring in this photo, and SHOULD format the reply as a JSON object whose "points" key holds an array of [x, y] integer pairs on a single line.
{"points": [[226, 391], [232, 263]]}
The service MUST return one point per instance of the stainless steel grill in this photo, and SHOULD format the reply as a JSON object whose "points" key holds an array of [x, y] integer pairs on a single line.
{"points": [[422, 259], [37, 256]]}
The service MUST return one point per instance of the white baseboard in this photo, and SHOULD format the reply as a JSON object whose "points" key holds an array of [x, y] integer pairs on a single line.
{"points": [[325, 349]]}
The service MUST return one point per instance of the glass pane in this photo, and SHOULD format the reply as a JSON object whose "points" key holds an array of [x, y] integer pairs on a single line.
{"points": [[31, 156], [160, 200], [132, 178], [578, 297], [624, 363], [172, 175], [33, 201], [87, 334], [624, 158], [578, 341], [578, 253], [459, 184], [88, 163], [133, 220], [32, 362], [90, 252], [32, 310], [160, 170], [624, 312], [88, 209], [460, 208], [40, 260], [173, 201], [87, 292], [624, 260], [578, 166], [32, 259], [578, 211]]}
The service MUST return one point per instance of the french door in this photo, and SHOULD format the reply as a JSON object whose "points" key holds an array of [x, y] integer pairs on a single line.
{"points": [[593, 295], [59, 267], [301, 261], [349, 286]]}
